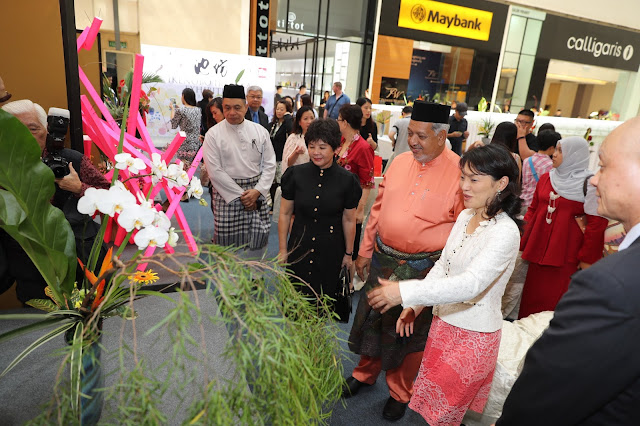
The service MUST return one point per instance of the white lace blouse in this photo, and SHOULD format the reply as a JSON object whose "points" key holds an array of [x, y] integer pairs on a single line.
{"points": [[466, 284]]}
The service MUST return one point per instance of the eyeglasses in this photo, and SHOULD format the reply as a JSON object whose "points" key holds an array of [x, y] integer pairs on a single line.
{"points": [[340, 119], [254, 97], [523, 122]]}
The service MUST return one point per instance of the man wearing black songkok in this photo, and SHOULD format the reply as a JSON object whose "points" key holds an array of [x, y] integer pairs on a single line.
{"points": [[241, 163]]}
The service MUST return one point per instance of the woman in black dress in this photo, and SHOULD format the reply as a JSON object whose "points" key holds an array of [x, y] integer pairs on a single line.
{"points": [[368, 129], [279, 130], [324, 198]]}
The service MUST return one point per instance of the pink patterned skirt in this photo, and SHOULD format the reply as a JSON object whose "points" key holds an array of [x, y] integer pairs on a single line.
{"points": [[455, 374]]}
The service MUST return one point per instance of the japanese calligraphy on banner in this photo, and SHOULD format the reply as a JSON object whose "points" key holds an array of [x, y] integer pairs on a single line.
{"points": [[262, 28], [444, 18], [199, 70]]}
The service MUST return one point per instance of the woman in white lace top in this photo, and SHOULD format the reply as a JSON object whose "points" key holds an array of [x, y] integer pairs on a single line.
{"points": [[465, 287]]}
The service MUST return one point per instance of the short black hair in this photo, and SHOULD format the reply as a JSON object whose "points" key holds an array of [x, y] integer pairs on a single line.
{"points": [[527, 112], [278, 87], [547, 126], [325, 130], [496, 161], [407, 110], [303, 87], [189, 96], [547, 138], [306, 100], [352, 114]]}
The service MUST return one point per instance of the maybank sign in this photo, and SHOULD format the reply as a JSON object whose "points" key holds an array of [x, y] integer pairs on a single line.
{"points": [[443, 18]]}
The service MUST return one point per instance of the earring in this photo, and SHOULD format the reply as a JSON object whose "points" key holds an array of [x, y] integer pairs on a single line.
{"points": [[499, 192]]}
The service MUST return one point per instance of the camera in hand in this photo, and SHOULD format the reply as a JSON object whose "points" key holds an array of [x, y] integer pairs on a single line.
{"points": [[57, 126]]}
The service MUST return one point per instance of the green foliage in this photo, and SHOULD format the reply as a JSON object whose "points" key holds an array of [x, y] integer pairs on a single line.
{"points": [[25, 209], [283, 348]]}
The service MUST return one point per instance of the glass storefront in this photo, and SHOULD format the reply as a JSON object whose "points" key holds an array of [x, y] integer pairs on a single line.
{"points": [[318, 42]]}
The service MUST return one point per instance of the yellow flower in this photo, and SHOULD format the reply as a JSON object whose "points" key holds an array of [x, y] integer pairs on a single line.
{"points": [[77, 304], [141, 277]]}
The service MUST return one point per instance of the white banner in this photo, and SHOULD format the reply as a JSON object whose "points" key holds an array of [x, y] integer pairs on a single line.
{"points": [[199, 70]]}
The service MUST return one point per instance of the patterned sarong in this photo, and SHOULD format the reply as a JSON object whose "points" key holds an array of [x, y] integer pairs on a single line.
{"points": [[374, 334], [235, 226]]}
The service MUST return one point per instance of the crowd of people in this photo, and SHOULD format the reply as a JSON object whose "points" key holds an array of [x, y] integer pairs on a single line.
{"points": [[441, 241]]}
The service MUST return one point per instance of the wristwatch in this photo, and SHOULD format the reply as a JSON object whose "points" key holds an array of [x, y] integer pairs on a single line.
{"points": [[521, 137]]}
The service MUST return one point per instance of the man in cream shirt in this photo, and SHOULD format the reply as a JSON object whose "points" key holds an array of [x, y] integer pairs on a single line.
{"points": [[241, 163]]}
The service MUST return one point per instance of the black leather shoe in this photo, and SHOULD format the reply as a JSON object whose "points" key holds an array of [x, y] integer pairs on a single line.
{"points": [[352, 387], [394, 410]]}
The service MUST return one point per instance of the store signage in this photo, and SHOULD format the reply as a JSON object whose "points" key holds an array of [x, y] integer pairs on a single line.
{"points": [[575, 41], [443, 18], [262, 28], [290, 23]]}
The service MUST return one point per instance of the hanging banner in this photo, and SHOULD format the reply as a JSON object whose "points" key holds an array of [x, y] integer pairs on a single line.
{"points": [[199, 70]]}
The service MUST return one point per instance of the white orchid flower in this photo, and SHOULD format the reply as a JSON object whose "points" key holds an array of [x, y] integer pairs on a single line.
{"points": [[195, 190], [142, 200], [177, 175], [162, 221], [136, 216], [88, 203], [124, 160], [151, 236], [115, 200], [173, 237], [159, 168]]}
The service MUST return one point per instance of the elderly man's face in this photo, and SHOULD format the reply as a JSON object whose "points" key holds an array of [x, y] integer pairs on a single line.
{"points": [[425, 144], [618, 180], [254, 99], [234, 110], [30, 119]]}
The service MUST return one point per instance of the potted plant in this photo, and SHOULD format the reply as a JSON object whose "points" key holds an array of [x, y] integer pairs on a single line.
{"points": [[486, 127], [285, 354]]}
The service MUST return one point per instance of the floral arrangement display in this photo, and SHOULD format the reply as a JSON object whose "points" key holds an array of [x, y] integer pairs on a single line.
{"points": [[285, 351], [486, 127], [587, 136]]}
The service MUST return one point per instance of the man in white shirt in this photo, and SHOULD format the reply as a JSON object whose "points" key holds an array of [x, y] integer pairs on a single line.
{"points": [[585, 368], [398, 135], [241, 163]]}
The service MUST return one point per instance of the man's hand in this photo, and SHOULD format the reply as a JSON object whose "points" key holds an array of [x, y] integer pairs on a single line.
{"points": [[70, 182], [386, 296], [456, 134], [465, 134], [249, 198], [363, 267], [404, 325], [522, 130]]}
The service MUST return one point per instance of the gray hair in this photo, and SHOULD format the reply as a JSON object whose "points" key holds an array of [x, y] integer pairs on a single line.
{"points": [[254, 89], [26, 106], [438, 127]]}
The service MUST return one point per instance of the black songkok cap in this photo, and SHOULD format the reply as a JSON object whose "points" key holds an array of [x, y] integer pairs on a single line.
{"points": [[430, 113], [233, 91]]}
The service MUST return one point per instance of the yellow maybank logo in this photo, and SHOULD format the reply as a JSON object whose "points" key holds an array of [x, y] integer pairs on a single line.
{"points": [[442, 18]]}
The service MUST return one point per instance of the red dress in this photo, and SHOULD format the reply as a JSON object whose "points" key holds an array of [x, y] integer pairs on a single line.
{"points": [[358, 159], [554, 250]]}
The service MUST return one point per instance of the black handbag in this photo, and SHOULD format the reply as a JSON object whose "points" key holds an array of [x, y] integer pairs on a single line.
{"points": [[342, 305]]}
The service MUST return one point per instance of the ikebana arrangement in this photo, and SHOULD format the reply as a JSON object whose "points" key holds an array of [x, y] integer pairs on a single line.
{"points": [[285, 350]]}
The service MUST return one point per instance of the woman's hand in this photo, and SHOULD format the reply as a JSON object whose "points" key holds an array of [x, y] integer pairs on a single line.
{"points": [[347, 261], [386, 296], [404, 325], [359, 216]]}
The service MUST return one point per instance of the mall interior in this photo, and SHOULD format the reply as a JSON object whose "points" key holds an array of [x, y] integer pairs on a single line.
{"points": [[574, 63]]}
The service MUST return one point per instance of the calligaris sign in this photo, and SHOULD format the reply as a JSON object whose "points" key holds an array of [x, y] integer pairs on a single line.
{"points": [[443, 18], [589, 43]]}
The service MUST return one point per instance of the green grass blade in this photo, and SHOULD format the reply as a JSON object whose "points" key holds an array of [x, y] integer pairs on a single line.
{"points": [[29, 328], [75, 366], [41, 341]]}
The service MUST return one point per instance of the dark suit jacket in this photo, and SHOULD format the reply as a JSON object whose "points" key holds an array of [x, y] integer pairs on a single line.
{"points": [[264, 119], [280, 138], [585, 369]]}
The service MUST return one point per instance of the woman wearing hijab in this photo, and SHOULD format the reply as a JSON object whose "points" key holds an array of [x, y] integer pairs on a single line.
{"points": [[554, 242]]}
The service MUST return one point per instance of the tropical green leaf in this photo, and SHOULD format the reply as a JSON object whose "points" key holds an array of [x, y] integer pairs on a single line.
{"points": [[75, 365], [43, 305], [25, 209], [41, 341], [47, 323], [125, 312]]}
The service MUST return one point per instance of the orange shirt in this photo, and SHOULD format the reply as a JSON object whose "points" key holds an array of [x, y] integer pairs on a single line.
{"points": [[416, 206]]}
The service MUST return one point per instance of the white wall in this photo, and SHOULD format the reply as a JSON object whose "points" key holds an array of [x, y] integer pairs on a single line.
{"points": [[620, 13]]}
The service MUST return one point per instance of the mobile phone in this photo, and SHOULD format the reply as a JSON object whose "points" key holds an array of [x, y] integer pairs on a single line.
{"points": [[173, 102]]}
